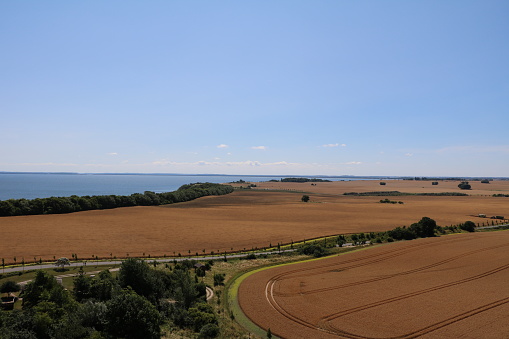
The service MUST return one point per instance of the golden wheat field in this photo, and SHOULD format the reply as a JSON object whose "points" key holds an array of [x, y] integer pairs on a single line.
{"points": [[448, 287], [243, 219]]}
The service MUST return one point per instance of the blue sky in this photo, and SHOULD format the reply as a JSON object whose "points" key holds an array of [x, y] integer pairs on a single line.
{"points": [[255, 87]]}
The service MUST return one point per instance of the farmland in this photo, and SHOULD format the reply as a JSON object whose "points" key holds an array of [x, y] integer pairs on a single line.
{"points": [[269, 214], [452, 286]]}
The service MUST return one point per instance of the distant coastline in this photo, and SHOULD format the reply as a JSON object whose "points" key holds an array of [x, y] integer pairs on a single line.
{"points": [[275, 175]]}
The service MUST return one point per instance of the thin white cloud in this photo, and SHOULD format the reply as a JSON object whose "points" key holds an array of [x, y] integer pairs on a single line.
{"points": [[353, 163], [222, 146], [334, 145], [409, 154], [263, 148], [113, 153], [249, 163], [475, 149]]}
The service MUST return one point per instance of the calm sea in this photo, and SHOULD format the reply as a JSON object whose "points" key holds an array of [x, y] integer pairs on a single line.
{"points": [[31, 186]]}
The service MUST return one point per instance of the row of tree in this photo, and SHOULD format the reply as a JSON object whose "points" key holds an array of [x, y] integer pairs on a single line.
{"points": [[57, 205], [304, 180], [133, 305], [398, 193]]}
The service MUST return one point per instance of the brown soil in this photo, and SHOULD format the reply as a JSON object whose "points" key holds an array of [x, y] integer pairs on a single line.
{"points": [[243, 219], [448, 287]]}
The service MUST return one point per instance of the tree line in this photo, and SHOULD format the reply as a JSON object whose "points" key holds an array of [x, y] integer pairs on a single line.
{"points": [[58, 205], [132, 305], [398, 193], [303, 180]]}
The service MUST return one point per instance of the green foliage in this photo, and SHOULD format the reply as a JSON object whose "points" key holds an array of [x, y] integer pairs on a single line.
{"points": [[305, 198], [314, 250], [57, 205], [468, 226], [38, 289], [99, 308], [9, 286], [424, 228], [219, 279], [201, 314], [398, 193], [132, 316], [62, 262], [136, 273], [250, 256], [464, 185], [303, 180], [402, 233], [209, 331], [387, 201]]}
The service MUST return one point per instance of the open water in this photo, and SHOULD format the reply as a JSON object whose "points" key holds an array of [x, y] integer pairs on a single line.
{"points": [[44, 185]]}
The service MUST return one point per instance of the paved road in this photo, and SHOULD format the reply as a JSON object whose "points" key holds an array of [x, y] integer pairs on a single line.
{"points": [[495, 226], [118, 262]]}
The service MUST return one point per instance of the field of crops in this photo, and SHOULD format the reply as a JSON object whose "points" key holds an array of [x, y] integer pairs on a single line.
{"points": [[243, 219], [448, 287]]}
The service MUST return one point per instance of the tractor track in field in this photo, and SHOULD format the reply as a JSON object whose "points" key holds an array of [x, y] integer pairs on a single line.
{"points": [[329, 326]]}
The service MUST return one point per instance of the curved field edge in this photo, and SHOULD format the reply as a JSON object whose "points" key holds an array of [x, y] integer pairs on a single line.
{"points": [[232, 289]]}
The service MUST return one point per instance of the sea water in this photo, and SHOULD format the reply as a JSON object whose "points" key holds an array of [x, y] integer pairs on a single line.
{"points": [[44, 185]]}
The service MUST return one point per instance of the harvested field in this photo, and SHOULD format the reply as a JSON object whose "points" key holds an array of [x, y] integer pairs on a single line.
{"points": [[407, 186], [448, 287], [243, 219]]}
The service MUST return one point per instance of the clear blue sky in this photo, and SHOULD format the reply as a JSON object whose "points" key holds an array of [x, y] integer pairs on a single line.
{"points": [[255, 87]]}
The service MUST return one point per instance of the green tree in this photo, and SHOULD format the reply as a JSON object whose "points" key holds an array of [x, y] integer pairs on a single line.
{"points": [[424, 228], [201, 314], [184, 290], [62, 262], [468, 226], [131, 316], [82, 286], [34, 290], [9, 286], [464, 185], [219, 279], [305, 198], [135, 273], [209, 331]]}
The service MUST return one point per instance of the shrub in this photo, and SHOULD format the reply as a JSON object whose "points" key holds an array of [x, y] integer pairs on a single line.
{"points": [[464, 185], [209, 331], [314, 250], [219, 279], [468, 226]]}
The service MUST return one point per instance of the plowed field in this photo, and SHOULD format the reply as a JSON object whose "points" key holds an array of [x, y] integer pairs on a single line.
{"points": [[449, 287], [243, 219]]}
